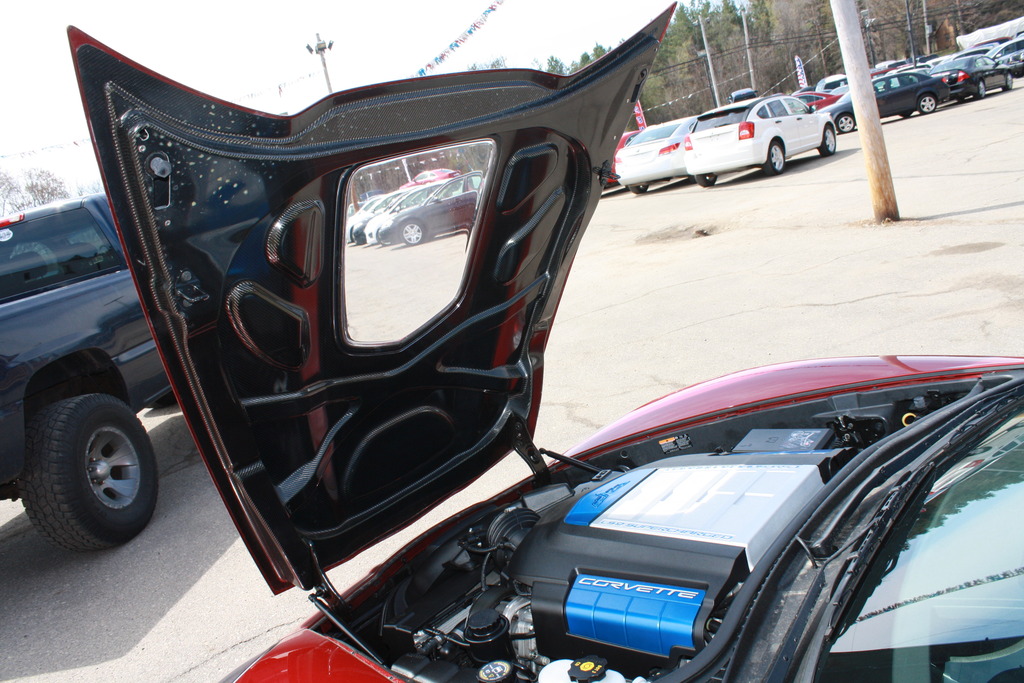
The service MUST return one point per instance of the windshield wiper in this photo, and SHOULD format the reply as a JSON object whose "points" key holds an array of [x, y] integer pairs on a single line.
{"points": [[870, 540]]}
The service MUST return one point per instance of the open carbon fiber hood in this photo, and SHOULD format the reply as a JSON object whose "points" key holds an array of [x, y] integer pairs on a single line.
{"points": [[320, 440]]}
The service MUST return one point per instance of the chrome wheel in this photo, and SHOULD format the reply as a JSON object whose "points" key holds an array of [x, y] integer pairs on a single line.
{"points": [[112, 466], [845, 123], [412, 233], [926, 104], [828, 142], [776, 161]]}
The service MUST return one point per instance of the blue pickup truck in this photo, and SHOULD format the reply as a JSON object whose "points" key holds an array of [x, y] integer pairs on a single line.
{"points": [[77, 362]]}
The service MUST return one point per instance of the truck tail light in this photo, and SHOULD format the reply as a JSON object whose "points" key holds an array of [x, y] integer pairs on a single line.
{"points": [[11, 220], [746, 130]]}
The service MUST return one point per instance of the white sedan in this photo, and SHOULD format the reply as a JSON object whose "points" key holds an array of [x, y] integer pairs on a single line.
{"points": [[763, 132], [655, 153]]}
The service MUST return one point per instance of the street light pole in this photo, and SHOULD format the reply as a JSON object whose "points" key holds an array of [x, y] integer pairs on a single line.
{"points": [[910, 35], [320, 49], [864, 14]]}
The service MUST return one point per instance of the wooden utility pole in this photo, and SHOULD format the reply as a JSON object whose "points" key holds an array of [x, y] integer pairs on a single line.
{"points": [[711, 67], [927, 28], [865, 108], [746, 41]]}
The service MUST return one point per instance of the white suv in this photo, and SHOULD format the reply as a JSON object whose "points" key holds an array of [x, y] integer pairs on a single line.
{"points": [[763, 132]]}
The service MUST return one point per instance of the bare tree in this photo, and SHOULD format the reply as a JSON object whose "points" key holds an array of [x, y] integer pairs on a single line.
{"points": [[496, 63], [93, 186], [43, 186], [12, 197]]}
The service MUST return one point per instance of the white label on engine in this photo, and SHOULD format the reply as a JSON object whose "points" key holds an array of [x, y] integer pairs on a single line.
{"points": [[738, 505]]}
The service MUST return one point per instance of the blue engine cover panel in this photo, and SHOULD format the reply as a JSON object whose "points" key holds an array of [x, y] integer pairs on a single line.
{"points": [[639, 615]]}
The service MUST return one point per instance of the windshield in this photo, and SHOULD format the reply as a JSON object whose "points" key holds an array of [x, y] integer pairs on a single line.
{"points": [[652, 134], [373, 204], [414, 198], [52, 249], [723, 117], [963, 63], [945, 598]]}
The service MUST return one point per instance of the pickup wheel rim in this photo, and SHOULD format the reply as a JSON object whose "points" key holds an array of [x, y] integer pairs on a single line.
{"points": [[112, 466]]}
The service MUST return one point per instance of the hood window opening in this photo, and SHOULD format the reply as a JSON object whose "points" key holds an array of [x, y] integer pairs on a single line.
{"points": [[408, 225]]}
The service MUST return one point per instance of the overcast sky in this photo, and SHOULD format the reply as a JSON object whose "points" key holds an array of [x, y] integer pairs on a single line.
{"points": [[243, 52]]}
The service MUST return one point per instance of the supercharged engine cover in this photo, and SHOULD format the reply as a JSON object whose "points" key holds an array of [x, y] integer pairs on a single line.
{"points": [[639, 615], [632, 568]]}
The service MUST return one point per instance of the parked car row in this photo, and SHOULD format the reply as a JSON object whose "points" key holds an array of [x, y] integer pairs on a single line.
{"points": [[901, 93], [897, 94], [748, 133], [447, 207], [416, 213], [764, 132]]}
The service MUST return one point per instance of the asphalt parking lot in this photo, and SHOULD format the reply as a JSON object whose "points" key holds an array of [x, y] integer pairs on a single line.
{"points": [[669, 288]]}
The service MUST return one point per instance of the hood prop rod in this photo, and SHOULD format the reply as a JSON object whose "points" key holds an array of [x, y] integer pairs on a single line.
{"points": [[323, 595], [523, 445], [533, 457]]}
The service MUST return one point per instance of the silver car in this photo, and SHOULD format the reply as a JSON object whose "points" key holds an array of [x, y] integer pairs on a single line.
{"points": [[655, 153]]}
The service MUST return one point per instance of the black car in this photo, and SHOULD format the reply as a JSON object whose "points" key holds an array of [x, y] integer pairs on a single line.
{"points": [[973, 76], [450, 208], [899, 94], [742, 94]]}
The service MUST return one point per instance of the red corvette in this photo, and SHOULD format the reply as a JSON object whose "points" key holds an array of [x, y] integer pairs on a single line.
{"points": [[817, 100], [838, 520], [431, 176]]}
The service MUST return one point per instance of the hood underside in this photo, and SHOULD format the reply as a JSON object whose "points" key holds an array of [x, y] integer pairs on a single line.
{"points": [[324, 427]]}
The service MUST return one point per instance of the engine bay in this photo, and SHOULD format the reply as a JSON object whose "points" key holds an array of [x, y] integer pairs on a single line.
{"points": [[625, 570]]}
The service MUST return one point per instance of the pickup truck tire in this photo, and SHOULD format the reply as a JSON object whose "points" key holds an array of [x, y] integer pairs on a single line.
{"points": [[90, 478]]}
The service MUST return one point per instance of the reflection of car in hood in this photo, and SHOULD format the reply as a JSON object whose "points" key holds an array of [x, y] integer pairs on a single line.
{"points": [[449, 208], [357, 221], [431, 176], [740, 529], [409, 198]]}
